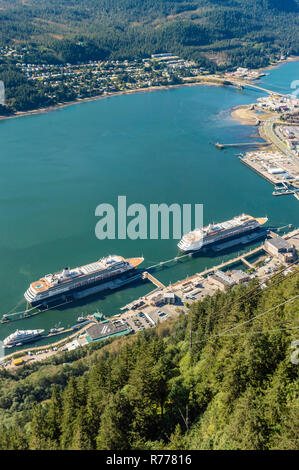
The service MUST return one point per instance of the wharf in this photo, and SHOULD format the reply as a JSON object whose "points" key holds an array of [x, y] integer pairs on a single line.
{"points": [[241, 144], [241, 258], [147, 314], [259, 171], [45, 346], [150, 277], [285, 192], [249, 265]]}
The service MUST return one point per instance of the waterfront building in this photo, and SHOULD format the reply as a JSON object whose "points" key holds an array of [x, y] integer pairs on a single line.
{"points": [[239, 276], [222, 280], [169, 298], [106, 329], [282, 249]]}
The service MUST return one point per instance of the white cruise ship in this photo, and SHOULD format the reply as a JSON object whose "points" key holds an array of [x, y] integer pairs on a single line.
{"points": [[65, 285], [21, 337], [202, 238]]}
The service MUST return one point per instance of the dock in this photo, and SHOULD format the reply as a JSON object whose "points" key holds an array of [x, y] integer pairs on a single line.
{"points": [[150, 277], [241, 258], [249, 265], [241, 144], [46, 346], [139, 306]]}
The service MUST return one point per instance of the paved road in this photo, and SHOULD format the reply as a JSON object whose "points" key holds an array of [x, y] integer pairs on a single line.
{"points": [[244, 83], [268, 128]]}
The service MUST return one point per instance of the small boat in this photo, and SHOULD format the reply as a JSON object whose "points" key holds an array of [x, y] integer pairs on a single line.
{"points": [[80, 319], [56, 330], [282, 193]]}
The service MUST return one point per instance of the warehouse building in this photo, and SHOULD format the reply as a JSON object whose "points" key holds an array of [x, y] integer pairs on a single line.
{"points": [[222, 280], [106, 329], [282, 249]]}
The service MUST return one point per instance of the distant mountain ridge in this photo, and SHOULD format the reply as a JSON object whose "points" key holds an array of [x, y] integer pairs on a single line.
{"points": [[225, 32]]}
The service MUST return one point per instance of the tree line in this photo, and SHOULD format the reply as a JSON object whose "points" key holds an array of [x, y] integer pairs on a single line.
{"points": [[178, 386]]}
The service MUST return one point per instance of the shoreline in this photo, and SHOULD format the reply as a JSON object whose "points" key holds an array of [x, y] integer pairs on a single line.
{"points": [[292, 58], [203, 82], [246, 115], [107, 95]]}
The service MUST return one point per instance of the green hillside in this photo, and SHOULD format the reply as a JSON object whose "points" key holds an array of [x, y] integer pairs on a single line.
{"points": [[227, 32], [182, 385]]}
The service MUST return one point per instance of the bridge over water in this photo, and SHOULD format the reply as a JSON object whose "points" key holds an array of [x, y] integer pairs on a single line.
{"points": [[253, 85]]}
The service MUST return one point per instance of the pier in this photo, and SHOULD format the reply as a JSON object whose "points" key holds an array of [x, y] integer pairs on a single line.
{"points": [[159, 285], [143, 302], [241, 144], [8, 317], [150, 277], [47, 346], [249, 265], [241, 258]]}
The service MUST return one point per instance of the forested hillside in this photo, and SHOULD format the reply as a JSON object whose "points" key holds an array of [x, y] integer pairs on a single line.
{"points": [[182, 385], [228, 32]]}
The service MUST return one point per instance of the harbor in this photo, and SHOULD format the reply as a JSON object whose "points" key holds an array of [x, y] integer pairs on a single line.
{"points": [[278, 169], [171, 154], [240, 230], [146, 311]]}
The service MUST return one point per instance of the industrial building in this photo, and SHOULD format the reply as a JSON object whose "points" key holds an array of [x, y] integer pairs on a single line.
{"points": [[106, 329], [239, 276], [169, 298], [282, 249], [222, 280]]}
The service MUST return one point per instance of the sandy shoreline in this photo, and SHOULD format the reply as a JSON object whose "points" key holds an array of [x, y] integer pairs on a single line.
{"points": [[244, 115], [247, 116]]}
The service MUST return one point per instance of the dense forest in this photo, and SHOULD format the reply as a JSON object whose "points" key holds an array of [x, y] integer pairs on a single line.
{"points": [[185, 384], [217, 34], [226, 32]]}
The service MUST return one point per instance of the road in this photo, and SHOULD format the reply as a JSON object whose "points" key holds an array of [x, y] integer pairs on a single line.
{"points": [[245, 83], [268, 128]]}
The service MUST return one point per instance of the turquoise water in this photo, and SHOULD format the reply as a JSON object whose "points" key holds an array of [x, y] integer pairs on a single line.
{"points": [[280, 78], [152, 147]]}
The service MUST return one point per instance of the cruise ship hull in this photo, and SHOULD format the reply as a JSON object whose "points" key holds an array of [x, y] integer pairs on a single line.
{"points": [[19, 342], [77, 293], [210, 242]]}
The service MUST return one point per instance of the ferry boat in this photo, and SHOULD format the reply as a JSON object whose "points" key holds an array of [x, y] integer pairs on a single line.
{"points": [[71, 284], [20, 337], [206, 237]]}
